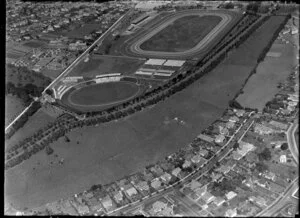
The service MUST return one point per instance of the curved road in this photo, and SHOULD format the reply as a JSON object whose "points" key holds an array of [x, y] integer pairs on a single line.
{"points": [[292, 141]]}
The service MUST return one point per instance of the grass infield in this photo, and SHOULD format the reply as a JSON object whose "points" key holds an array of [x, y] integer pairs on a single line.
{"points": [[103, 93], [183, 34]]}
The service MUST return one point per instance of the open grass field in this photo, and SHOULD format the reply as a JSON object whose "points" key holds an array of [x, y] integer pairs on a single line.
{"points": [[183, 34], [98, 65], [103, 93], [13, 106], [83, 30], [110, 151], [36, 121], [262, 86], [251, 49]]}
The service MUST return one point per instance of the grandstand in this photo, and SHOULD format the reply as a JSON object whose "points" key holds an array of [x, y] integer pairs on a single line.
{"points": [[162, 74], [148, 70], [140, 19], [174, 63], [143, 73], [72, 79], [155, 61], [108, 79], [106, 75]]}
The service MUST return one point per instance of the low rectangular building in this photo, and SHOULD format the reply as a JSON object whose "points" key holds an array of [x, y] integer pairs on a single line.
{"points": [[205, 138], [174, 63], [155, 61]]}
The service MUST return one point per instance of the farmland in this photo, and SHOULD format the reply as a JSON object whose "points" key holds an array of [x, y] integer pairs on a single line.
{"points": [[181, 35], [262, 86], [106, 64], [110, 151]]}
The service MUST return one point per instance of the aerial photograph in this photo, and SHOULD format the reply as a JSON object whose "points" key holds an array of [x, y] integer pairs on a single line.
{"points": [[151, 108]]}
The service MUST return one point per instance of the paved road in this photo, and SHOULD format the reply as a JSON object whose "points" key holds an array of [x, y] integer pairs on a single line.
{"points": [[292, 141], [70, 67], [281, 200]]}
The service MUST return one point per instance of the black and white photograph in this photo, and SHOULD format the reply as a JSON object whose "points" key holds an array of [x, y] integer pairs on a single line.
{"points": [[171, 108]]}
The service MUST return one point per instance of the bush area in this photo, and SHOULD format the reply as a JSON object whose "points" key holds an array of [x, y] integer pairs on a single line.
{"points": [[21, 76], [24, 83]]}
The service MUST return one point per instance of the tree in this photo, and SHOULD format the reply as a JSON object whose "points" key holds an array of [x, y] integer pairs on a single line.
{"points": [[49, 92], [284, 146], [49, 150], [261, 167], [229, 5], [265, 155]]}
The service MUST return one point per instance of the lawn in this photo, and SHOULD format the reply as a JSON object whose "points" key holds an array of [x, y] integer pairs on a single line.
{"points": [[13, 107], [103, 93], [106, 64], [134, 141], [183, 34], [83, 30]]}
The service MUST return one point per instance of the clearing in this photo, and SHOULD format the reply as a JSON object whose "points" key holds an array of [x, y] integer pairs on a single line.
{"points": [[183, 34]]}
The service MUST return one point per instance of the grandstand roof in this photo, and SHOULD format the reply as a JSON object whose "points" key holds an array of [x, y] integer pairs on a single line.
{"points": [[175, 63], [155, 61]]}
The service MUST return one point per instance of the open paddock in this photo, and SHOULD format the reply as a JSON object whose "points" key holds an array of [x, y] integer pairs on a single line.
{"points": [[262, 86], [82, 31]]}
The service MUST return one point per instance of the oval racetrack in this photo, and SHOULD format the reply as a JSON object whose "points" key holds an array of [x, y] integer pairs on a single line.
{"points": [[134, 48]]}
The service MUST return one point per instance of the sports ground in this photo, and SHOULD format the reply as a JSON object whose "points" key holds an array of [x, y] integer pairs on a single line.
{"points": [[98, 96], [202, 28]]}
